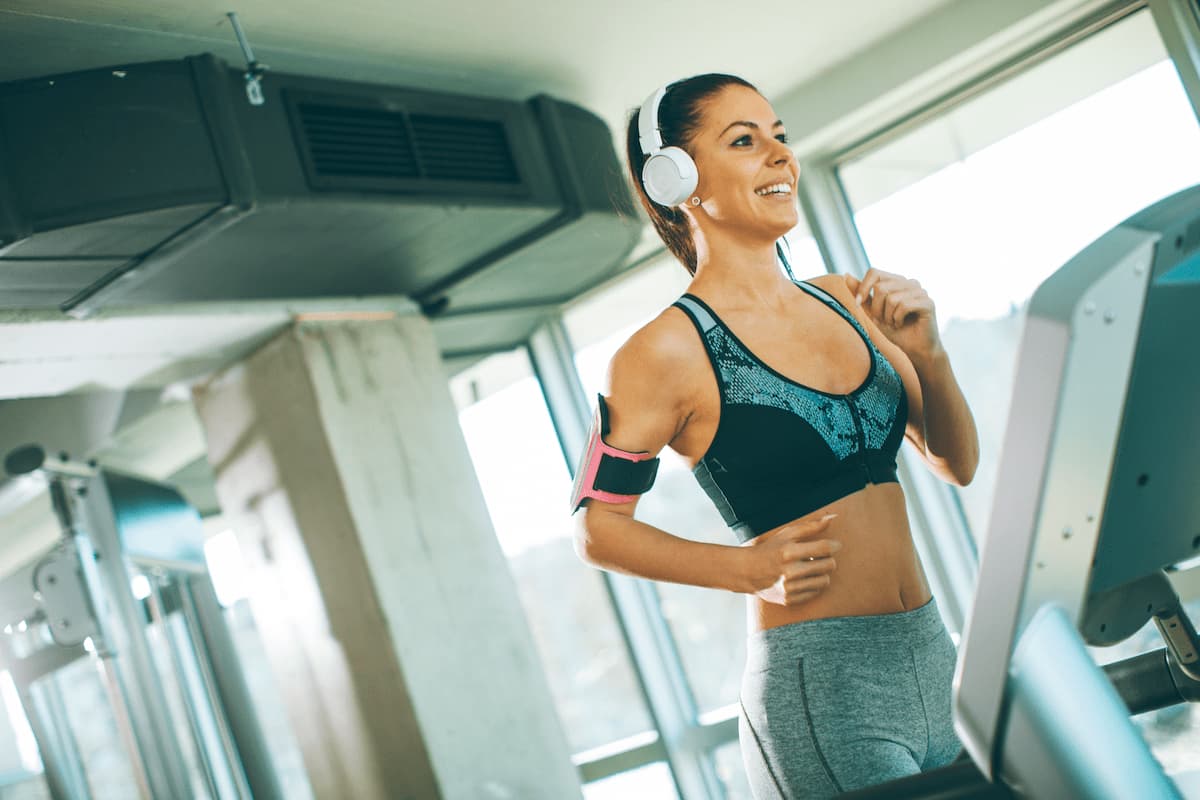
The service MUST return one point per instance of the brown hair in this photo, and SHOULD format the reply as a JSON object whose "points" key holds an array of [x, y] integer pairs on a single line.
{"points": [[678, 120]]}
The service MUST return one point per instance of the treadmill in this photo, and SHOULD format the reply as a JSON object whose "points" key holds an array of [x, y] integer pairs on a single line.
{"points": [[1095, 519]]}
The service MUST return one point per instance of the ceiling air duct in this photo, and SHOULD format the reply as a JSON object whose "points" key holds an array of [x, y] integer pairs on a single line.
{"points": [[159, 183]]}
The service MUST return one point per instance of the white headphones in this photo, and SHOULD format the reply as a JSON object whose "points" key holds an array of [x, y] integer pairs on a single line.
{"points": [[669, 174]]}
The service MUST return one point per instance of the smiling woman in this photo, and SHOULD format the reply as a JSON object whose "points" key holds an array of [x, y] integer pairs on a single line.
{"points": [[728, 378]]}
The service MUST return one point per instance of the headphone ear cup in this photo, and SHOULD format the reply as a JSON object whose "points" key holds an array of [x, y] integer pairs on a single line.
{"points": [[669, 176]]}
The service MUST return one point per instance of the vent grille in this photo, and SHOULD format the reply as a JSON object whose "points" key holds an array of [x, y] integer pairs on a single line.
{"points": [[358, 142], [382, 146], [463, 149]]}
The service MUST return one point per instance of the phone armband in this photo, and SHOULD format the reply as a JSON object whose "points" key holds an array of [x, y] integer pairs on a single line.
{"points": [[608, 473]]}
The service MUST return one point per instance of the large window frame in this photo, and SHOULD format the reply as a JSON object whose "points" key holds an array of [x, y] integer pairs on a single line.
{"points": [[685, 739]]}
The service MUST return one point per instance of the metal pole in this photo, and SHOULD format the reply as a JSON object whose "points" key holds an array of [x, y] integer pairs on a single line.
{"points": [[210, 762], [62, 765], [122, 624], [112, 688], [226, 686], [1178, 23]]}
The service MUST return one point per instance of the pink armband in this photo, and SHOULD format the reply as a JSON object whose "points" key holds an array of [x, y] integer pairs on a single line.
{"points": [[608, 473]]}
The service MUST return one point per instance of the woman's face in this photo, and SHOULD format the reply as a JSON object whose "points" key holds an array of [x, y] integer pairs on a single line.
{"points": [[747, 172]]}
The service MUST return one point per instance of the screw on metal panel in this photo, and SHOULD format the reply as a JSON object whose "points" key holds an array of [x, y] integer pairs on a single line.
{"points": [[51, 579], [1041, 565], [64, 623], [1109, 316], [1091, 517], [1089, 308], [1067, 532], [1139, 268]]}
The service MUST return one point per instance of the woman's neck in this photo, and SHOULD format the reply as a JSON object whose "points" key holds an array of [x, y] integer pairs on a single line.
{"points": [[739, 273]]}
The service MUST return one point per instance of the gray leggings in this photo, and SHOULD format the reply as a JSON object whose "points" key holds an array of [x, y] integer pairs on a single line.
{"points": [[831, 705]]}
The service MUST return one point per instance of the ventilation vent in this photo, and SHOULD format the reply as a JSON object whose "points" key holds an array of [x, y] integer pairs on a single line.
{"points": [[356, 147], [357, 142], [463, 149]]}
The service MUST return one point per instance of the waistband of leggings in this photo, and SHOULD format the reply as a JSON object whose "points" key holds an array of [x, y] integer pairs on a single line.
{"points": [[912, 627]]}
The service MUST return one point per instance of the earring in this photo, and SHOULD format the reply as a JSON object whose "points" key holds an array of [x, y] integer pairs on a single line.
{"points": [[695, 200]]}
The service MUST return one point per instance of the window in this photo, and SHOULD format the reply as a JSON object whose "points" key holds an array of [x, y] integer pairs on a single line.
{"points": [[21, 773], [732, 771], [652, 780], [986, 201]]}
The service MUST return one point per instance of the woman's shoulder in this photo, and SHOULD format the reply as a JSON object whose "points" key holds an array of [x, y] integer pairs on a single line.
{"points": [[665, 341], [652, 380], [835, 284]]}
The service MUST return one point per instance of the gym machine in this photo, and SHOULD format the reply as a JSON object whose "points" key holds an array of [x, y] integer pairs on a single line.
{"points": [[164, 654], [1095, 520]]}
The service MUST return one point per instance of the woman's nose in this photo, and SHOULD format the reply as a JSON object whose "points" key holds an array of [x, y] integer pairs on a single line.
{"points": [[781, 154]]}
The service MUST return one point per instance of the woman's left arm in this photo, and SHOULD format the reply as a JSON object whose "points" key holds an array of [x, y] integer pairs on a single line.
{"points": [[944, 430]]}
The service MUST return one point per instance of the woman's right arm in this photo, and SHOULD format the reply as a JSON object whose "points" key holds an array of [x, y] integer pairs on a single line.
{"points": [[649, 403]]}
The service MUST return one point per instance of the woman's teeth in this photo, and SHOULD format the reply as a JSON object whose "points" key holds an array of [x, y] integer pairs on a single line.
{"points": [[778, 188]]}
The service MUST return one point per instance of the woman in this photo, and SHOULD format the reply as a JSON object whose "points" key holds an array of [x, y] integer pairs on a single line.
{"points": [[790, 400]]}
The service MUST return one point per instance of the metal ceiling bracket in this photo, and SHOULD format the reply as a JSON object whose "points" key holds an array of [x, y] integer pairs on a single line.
{"points": [[254, 70]]}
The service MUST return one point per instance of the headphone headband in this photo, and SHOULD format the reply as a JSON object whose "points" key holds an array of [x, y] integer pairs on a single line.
{"points": [[649, 134]]}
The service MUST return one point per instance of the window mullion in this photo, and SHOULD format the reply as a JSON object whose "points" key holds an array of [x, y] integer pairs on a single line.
{"points": [[1178, 23]]}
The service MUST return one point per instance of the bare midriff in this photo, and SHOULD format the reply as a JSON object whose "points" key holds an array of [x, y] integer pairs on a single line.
{"points": [[878, 571]]}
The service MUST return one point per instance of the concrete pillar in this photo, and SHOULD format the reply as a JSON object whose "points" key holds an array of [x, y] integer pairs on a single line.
{"points": [[394, 629]]}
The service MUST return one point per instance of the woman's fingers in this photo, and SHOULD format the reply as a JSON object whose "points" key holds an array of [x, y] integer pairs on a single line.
{"points": [[808, 584], [903, 303], [805, 529], [866, 287], [802, 570], [800, 552], [800, 591], [890, 298]]}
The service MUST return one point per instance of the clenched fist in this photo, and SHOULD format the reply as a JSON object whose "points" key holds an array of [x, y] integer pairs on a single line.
{"points": [[902, 310], [791, 564]]}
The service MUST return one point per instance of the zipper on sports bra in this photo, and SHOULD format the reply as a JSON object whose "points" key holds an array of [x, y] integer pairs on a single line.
{"points": [[862, 441]]}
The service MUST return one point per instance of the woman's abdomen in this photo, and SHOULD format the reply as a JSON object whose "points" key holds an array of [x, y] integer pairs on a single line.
{"points": [[878, 571]]}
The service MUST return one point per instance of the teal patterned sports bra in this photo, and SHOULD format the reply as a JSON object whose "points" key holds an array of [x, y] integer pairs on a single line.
{"points": [[782, 449]]}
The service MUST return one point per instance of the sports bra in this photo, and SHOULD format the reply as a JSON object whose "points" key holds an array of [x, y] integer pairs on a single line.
{"points": [[783, 449]]}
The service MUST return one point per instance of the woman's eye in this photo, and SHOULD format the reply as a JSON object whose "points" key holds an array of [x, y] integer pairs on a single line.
{"points": [[742, 140], [783, 137]]}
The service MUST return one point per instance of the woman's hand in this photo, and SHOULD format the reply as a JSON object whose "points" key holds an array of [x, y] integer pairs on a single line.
{"points": [[791, 565], [901, 309]]}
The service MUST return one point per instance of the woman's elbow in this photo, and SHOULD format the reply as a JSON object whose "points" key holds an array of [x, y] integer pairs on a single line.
{"points": [[963, 477], [586, 536], [963, 472]]}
